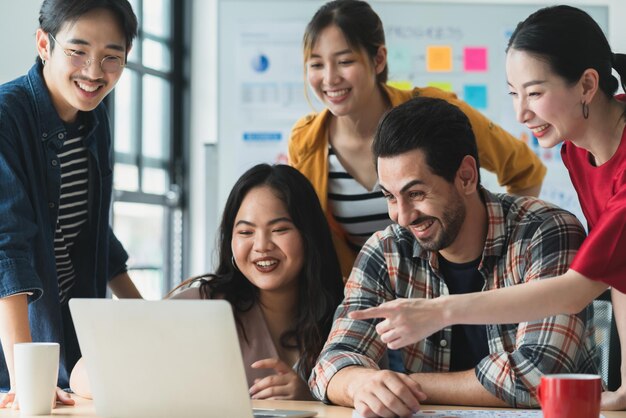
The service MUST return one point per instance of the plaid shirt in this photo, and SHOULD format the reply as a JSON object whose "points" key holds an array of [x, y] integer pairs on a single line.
{"points": [[527, 239]]}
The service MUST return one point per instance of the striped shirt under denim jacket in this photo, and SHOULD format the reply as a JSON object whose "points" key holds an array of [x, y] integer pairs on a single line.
{"points": [[527, 239]]}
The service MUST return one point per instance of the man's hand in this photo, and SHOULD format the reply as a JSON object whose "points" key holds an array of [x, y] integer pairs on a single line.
{"points": [[64, 398], [7, 400], [123, 287], [614, 401], [384, 393], [285, 384], [406, 321]]}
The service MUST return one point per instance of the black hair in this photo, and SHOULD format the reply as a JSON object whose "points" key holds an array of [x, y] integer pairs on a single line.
{"points": [[570, 41], [320, 286], [53, 14], [439, 129], [357, 21]]}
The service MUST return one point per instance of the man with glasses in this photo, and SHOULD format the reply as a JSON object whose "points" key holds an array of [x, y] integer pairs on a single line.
{"points": [[56, 180]]}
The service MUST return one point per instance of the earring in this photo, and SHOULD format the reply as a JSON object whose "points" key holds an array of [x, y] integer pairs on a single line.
{"points": [[43, 61], [232, 260], [585, 110]]}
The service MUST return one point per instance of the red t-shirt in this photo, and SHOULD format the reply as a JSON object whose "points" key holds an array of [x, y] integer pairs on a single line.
{"points": [[602, 194]]}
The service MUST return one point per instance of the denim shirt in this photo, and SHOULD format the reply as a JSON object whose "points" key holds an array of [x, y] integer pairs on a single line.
{"points": [[31, 135]]}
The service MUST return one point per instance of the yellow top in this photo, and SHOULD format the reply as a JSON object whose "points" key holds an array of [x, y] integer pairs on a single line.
{"points": [[516, 166]]}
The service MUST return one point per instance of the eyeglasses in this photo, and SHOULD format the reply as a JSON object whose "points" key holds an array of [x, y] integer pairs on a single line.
{"points": [[79, 59]]}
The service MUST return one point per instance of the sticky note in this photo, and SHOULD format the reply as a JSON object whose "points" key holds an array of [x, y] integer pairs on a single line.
{"points": [[442, 85], [399, 59], [438, 58], [475, 95], [475, 59], [400, 84]]}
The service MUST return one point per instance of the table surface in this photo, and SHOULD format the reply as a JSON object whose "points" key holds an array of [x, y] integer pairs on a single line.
{"points": [[85, 408]]}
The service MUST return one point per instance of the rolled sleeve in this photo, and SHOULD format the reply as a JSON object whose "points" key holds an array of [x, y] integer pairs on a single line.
{"points": [[554, 345], [18, 276], [352, 342], [117, 256], [522, 353], [18, 228]]}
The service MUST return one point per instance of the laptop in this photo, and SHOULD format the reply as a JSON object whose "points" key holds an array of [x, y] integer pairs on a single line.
{"points": [[168, 358]]}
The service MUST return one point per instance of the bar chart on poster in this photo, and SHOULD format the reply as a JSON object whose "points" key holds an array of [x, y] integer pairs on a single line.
{"points": [[457, 47]]}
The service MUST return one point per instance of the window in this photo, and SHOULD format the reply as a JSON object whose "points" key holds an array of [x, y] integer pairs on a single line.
{"points": [[147, 109]]}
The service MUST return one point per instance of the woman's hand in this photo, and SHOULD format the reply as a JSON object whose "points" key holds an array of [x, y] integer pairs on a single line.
{"points": [[10, 399], [285, 384], [405, 321]]}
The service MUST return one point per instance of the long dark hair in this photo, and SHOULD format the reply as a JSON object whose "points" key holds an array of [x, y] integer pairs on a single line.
{"points": [[357, 21], [570, 41], [320, 286]]}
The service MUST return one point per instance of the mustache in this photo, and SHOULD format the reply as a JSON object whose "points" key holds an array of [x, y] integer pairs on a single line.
{"points": [[419, 220], [89, 80]]}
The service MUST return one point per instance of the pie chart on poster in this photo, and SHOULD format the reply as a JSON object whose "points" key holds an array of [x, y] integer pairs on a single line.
{"points": [[260, 63]]}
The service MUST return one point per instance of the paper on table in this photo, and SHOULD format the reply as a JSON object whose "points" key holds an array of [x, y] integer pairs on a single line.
{"points": [[427, 413]]}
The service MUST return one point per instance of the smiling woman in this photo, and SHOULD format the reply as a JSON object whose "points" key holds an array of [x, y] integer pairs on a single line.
{"points": [[345, 60], [278, 268], [267, 247]]}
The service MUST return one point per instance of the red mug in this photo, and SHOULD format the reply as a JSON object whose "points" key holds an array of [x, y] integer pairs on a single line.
{"points": [[570, 395]]}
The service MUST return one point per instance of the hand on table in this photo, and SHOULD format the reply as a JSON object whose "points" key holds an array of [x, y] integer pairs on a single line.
{"points": [[7, 400], [10, 399], [406, 321], [614, 401], [384, 393], [285, 384]]}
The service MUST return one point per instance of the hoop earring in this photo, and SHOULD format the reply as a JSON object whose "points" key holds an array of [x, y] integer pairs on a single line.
{"points": [[232, 260], [585, 110]]}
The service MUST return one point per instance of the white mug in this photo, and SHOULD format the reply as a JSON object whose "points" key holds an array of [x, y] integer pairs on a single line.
{"points": [[36, 372]]}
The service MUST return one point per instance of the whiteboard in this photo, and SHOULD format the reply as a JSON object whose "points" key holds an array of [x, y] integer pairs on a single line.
{"points": [[455, 46]]}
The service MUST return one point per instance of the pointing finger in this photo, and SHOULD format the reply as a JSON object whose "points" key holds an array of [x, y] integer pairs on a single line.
{"points": [[369, 313]]}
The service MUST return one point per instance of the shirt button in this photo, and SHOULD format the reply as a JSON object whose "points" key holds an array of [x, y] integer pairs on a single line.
{"points": [[51, 205], [54, 163], [45, 135], [61, 136], [443, 343]]}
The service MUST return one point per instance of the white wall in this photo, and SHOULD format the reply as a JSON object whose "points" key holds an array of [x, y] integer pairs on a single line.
{"points": [[204, 119], [18, 24], [617, 14]]}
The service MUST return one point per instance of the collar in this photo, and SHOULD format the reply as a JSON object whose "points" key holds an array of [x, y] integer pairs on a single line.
{"points": [[51, 127], [497, 237], [396, 96]]}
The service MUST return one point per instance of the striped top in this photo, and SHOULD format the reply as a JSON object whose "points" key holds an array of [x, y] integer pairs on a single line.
{"points": [[359, 211], [73, 205]]}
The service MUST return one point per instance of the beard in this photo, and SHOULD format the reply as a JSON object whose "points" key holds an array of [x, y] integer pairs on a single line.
{"points": [[451, 222]]}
